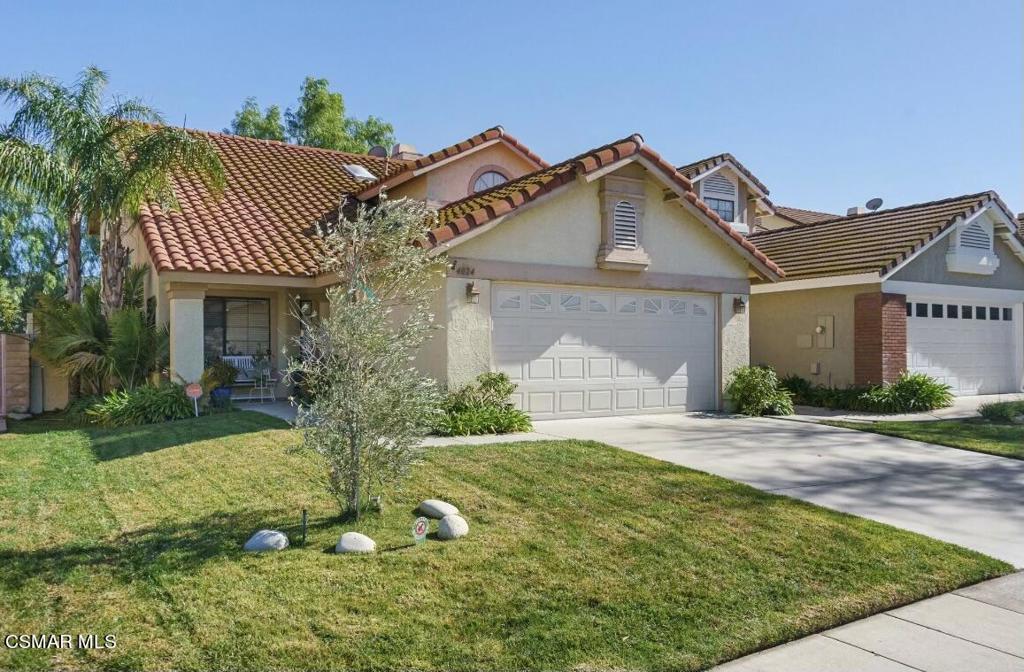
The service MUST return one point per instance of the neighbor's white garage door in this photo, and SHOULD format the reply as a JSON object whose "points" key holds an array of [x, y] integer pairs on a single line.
{"points": [[970, 347], [588, 352]]}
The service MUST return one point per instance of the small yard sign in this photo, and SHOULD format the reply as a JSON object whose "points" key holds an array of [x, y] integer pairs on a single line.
{"points": [[419, 529], [193, 391]]}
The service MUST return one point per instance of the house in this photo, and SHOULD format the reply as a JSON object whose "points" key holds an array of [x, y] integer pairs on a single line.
{"points": [[603, 284], [935, 287]]}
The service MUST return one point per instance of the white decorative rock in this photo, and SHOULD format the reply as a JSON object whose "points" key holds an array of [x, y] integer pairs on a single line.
{"points": [[435, 508], [354, 542], [266, 540], [452, 527]]}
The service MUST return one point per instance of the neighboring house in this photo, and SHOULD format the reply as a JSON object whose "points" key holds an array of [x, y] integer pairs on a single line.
{"points": [[731, 191], [935, 287], [785, 217], [602, 285]]}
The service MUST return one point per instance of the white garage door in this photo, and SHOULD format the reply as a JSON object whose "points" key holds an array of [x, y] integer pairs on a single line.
{"points": [[587, 352], [969, 347]]}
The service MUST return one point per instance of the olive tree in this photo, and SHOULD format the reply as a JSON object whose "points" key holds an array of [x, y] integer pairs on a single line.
{"points": [[365, 407]]}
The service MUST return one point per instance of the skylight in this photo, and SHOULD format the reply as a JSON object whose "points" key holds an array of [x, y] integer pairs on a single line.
{"points": [[359, 172]]}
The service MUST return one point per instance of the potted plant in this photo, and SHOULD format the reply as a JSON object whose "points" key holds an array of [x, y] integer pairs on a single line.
{"points": [[217, 380]]}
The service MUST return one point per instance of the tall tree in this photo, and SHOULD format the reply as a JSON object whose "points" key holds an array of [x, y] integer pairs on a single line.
{"points": [[33, 252], [252, 123], [318, 121], [83, 157]]}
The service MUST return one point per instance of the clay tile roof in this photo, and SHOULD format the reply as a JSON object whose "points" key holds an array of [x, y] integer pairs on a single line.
{"points": [[692, 170], [873, 242], [801, 216], [460, 217], [264, 223], [414, 168]]}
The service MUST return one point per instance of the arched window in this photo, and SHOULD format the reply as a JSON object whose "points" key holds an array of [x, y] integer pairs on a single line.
{"points": [[491, 178], [624, 225]]}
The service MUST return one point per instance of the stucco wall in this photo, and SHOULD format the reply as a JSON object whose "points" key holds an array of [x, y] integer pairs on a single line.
{"points": [[735, 336], [779, 319], [468, 332], [451, 181], [565, 230], [773, 222], [930, 266]]}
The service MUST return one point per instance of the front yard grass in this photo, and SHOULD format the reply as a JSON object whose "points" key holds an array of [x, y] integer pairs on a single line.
{"points": [[977, 434], [580, 556]]}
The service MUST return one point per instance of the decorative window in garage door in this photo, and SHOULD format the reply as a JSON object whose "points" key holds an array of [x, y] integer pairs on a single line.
{"points": [[571, 303], [510, 301], [540, 301]]}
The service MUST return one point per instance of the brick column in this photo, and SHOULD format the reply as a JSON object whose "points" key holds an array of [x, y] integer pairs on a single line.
{"points": [[880, 337]]}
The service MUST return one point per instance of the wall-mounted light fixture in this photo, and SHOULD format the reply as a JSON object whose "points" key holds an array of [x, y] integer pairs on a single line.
{"points": [[472, 292], [739, 306]]}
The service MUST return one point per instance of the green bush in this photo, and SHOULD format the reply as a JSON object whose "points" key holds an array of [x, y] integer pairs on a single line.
{"points": [[481, 408], [756, 390], [912, 392], [77, 409], [1003, 411], [218, 374], [142, 406]]}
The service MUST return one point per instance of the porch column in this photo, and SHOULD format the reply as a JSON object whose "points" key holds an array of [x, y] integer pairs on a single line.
{"points": [[186, 312]]}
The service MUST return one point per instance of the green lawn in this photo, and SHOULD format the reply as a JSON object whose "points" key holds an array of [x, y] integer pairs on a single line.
{"points": [[580, 556], [977, 434]]}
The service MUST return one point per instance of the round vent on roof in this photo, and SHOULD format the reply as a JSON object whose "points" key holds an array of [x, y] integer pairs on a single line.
{"points": [[873, 204], [378, 150]]}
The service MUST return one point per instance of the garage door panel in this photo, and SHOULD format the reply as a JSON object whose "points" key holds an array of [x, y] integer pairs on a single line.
{"points": [[971, 356], [579, 352], [599, 401]]}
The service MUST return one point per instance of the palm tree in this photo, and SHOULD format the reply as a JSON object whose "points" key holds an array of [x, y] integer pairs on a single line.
{"points": [[85, 158], [122, 349]]}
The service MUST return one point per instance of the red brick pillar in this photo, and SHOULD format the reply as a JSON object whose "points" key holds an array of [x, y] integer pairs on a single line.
{"points": [[879, 337]]}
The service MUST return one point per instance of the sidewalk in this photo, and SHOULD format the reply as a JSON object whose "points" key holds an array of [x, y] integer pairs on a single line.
{"points": [[963, 407], [979, 628]]}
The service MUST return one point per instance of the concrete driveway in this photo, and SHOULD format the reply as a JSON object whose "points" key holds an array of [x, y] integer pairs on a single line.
{"points": [[970, 499]]}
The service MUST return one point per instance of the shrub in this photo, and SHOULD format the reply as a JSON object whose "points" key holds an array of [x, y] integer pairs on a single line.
{"points": [[756, 390], [910, 393], [77, 410], [218, 374], [1003, 411], [481, 408], [141, 406]]}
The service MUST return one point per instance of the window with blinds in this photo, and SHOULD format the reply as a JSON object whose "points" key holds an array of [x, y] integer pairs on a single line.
{"points": [[624, 226]]}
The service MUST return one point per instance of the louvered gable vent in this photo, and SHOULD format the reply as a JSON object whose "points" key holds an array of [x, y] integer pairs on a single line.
{"points": [[625, 225], [975, 237], [719, 186]]}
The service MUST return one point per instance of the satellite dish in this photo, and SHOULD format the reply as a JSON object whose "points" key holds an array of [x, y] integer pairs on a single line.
{"points": [[874, 204]]}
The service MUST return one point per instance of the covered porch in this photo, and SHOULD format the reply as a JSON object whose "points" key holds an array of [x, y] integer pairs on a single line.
{"points": [[252, 327]]}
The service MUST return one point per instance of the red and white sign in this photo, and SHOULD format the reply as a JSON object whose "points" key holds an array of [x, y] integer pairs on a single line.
{"points": [[419, 529], [193, 390]]}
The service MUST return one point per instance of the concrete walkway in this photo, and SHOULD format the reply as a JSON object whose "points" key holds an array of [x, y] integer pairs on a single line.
{"points": [[963, 407], [979, 628]]}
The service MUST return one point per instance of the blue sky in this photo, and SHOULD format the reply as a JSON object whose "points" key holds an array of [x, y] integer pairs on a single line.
{"points": [[829, 103]]}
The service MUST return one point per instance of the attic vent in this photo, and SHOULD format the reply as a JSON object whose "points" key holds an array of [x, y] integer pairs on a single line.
{"points": [[359, 172], [625, 225], [975, 236], [719, 186]]}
